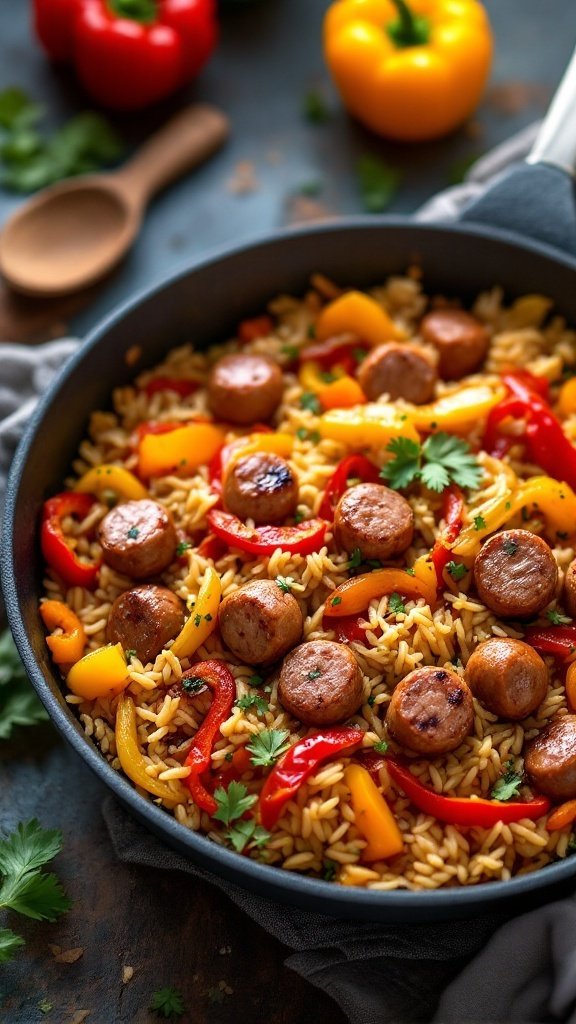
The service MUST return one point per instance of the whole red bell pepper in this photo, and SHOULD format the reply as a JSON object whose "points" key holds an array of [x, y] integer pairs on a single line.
{"points": [[353, 467], [128, 53], [55, 548], [298, 764], [220, 680], [264, 540], [456, 810], [453, 516]]}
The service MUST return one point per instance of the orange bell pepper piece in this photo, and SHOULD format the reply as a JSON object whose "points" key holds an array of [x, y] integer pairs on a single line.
{"points": [[374, 819], [354, 596], [68, 646], [356, 313], [343, 393], [562, 816], [179, 451]]}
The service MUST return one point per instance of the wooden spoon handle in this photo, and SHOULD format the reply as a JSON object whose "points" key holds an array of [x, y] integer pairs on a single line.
{"points": [[185, 141]]}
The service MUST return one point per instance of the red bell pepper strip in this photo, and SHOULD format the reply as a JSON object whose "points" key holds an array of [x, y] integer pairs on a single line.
{"points": [[264, 540], [347, 629], [456, 810], [55, 548], [256, 327], [129, 53], [298, 764], [212, 547], [180, 387], [231, 771], [220, 680], [453, 516], [353, 467], [335, 351], [560, 641]]}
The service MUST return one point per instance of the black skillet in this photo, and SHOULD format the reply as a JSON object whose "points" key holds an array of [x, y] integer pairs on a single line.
{"points": [[203, 304]]}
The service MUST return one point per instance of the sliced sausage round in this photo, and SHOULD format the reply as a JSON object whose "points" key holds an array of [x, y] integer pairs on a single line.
{"points": [[515, 574], [570, 589], [138, 538], [261, 487], [244, 388], [431, 711], [259, 623], [460, 339], [144, 619], [320, 683], [508, 677], [374, 519], [550, 760], [400, 371]]}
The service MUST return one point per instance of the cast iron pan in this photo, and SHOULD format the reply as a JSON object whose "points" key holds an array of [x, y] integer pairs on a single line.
{"points": [[203, 304]]}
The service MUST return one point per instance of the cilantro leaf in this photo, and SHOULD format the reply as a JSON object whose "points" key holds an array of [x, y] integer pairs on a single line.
{"points": [[25, 888], [378, 183], [267, 746], [16, 108], [381, 747], [253, 700], [37, 895], [10, 943], [247, 833], [455, 457], [508, 784], [404, 468], [479, 523], [19, 704], [435, 477], [232, 802], [557, 618], [285, 583], [396, 604], [183, 546], [457, 570], [330, 869], [355, 559], [168, 1002]]}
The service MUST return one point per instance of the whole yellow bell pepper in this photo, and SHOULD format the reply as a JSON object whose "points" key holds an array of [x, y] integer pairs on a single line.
{"points": [[409, 70], [100, 673], [374, 819], [116, 479], [356, 313], [203, 617], [132, 759]]}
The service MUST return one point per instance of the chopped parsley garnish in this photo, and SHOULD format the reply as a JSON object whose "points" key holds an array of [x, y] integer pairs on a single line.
{"points": [[232, 803], [508, 784], [133, 533], [299, 517], [410, 572], [479, 523], [457, 570], [167, 1002], [396, 604], [285, 583], [557, 618], [267, 746], [335, 601], [358, 355], [290, 351], [378, 183], [327, 377], [193, 684], [255, 680], [315, 108], [381, 747], [330, 869], [183, 546], [253, 701], [510, 546], [197, 619], [314, 674], [371, 700], [311, 402], [440, 461], [131, 653], [355, 559]]}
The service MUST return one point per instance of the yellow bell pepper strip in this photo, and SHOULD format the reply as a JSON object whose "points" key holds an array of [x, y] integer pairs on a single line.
{"points": [[68, 646], [178, 451], [116, 479], [367, 426], [458, 411], [100, 673], [355, 594], [567, 398], [409, 71], [356, 313], [203, 617], [335, 388], [374, 819], [132, 759]]}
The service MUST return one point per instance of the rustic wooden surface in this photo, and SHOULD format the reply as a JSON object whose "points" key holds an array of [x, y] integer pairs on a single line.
{"points": [[171, 930]]}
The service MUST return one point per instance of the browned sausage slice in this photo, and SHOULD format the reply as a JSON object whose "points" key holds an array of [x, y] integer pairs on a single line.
{"points": [[138, 538], [320, 683], [375, 519], [431, 711], [508, 677], [460, 339], [244, 388], [570, 589], [261, 487], [259, 622], [400, 371], [144, 619], [515, 574], [551, 759]]}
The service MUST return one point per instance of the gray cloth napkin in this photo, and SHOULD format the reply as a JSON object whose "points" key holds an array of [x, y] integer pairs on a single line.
{"points": [[377, 973]]}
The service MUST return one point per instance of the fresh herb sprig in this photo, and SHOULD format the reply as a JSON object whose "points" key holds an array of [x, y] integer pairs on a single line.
{"points": [[440, 461], [267, 746], [167, 1002], [508, 784], [19, 705], [233, 803]]}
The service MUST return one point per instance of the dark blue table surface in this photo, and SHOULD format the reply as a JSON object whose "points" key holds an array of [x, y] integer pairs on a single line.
{"points": [[173, 932]]}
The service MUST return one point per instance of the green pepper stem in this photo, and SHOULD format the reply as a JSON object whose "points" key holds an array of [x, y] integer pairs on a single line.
{"points": [[408, 29], [143, 11]]}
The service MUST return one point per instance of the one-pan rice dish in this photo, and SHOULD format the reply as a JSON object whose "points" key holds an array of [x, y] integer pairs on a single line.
{"points": [[314, 589]]}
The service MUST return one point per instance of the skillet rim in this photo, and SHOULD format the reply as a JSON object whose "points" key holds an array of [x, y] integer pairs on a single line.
{"points": [[288, 887]]}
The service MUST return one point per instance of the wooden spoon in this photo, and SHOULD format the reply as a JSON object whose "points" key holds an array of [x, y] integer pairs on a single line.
{"points": [[71, 233]]}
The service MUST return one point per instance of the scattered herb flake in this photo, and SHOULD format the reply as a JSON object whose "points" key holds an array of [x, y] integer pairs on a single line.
{"points": [[371, 700], [290, 351], [557, 618], [510, 546], [197, 619], [457, 570], [311, 402], [396, 604], [335, 601], [167, 1002], [193, 684], [267, 746], [355, 559], [330, 869], [479, 523], [253, 701], [133, 533], [508, 784], [183, 546], [381, 747], [285, 583], [255, 680], [129, 654], [378, 183], [410, 572]]}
